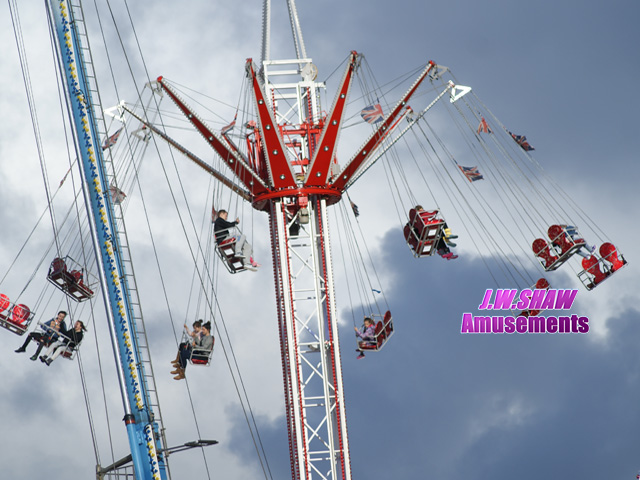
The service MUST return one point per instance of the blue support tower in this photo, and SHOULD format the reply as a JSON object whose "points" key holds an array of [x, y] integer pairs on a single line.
{"points": [[148, 461]]}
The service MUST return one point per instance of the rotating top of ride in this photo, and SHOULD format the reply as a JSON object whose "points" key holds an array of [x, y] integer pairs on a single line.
{"points": [[290, 143]]}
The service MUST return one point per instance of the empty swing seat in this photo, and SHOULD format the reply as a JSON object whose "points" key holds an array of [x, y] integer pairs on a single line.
{"points": [[4, 302], [593, 274], [387, 321], [72, 281], [15, 318], [612, 256], [596, 270], [541, 284], [561, 247]]}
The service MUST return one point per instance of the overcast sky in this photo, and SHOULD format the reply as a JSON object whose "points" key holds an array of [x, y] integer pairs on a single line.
{"points": [[433, 403]]}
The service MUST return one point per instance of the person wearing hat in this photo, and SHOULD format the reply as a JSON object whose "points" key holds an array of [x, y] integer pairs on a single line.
{"points": [[70, 340]]}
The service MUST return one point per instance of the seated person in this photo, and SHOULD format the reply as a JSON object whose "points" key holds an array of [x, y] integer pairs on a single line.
{"points": [[444, 251], [70, 340], [196, 333], [47, 336], [441, 247], [200, 347], [243, 248], [367, 334]]}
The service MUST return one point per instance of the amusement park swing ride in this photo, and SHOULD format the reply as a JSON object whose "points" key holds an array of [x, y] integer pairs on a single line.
{"points": [[285, 163]]}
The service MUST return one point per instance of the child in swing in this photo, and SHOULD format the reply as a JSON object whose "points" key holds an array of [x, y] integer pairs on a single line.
{"points": [[367, 334]]}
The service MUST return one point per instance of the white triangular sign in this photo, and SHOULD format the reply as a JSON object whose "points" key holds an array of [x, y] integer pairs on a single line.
{"points": [[458, 91]]}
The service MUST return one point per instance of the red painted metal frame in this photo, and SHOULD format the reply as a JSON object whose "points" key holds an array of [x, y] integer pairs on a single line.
{"points": [[320, 165], [234, 161], [378, 136], [198, 161], [274, 148]]}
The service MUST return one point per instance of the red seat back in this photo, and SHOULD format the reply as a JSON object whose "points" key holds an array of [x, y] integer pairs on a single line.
{"points": [[388, 325], [410, 237], [380, 335], [20, 313], [425, 224], [227, 241], [428, 216], [541, 250], [558, 237], [542, 284], [77, 275], [58, 264], [412, 215], [609, 253], [4, 302], [592, 267]]}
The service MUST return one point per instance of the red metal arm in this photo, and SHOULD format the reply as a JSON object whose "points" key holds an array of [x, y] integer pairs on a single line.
{"points": [[198, 161], [274, 149], [318, 171], [378, 136], [234, 161]]}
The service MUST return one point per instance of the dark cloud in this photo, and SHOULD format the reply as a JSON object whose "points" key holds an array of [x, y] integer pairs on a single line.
{"points": [[438, 403]]}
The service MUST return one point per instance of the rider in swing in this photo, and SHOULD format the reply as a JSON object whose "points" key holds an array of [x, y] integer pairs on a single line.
{"points": [[243, 248]]}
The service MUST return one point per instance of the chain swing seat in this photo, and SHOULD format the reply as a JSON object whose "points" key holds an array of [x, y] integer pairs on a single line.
{"points": [[423, 232], [383, 331], [596, 270], [563, 244], [197, 356], [226, 250], [541, 284], [67, 275], [14, 317], [201, 357], [227, 253], [52, 335]]}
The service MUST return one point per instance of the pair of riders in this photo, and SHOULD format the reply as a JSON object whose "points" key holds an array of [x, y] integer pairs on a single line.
{"points": [[198, 346], [56, 337]]}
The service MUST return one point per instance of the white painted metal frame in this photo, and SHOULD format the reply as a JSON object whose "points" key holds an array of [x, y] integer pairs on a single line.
{"points": [[309, 334], [307, 317]]}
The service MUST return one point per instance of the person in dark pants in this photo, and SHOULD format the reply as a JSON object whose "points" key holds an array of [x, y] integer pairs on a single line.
{"points": [[201, 349], [68, 340], [48, 335]]}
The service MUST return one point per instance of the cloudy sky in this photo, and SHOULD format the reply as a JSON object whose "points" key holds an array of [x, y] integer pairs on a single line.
{"points": [[433, 403]]}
